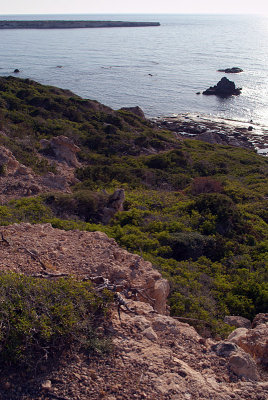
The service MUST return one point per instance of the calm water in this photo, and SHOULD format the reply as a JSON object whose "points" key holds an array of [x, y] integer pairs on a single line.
{"points": [[112, 65]]}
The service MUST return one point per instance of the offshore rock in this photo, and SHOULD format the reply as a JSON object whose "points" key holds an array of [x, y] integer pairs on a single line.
{"points": [[233, 70], [224, 88]]}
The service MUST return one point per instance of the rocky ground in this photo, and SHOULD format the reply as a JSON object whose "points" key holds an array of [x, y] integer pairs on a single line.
{"points": [[154, 356], [217, 130]]}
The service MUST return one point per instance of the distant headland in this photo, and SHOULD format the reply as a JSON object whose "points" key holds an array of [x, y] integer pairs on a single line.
{"points": [[54, 24]]}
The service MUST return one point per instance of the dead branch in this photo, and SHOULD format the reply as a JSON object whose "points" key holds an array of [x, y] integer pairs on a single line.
{"points": [[35, 257], [47, 275], [4, 240]]}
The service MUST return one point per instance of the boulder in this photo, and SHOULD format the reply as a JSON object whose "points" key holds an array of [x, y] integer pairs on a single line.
{"points": [[224, 349], [115, 204], [224, 88], [233, 70], [150, 334], [243, 365], [260, 319], [65, 150], [161, 292], [253, 341], [8, 161], [239, 322]]}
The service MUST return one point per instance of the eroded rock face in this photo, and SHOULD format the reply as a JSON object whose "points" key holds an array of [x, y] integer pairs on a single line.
{"points": [[243, 365], [8, 161], [239, 362], [260, 319], [84, 254], [253, 341], [224, 88], [65, 150]]}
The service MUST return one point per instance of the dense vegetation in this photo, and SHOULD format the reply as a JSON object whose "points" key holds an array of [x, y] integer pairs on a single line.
{"points": [[41, 319], [197, 211]]}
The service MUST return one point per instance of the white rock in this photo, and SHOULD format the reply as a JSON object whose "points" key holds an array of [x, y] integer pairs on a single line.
{"points": [[150, 334]]}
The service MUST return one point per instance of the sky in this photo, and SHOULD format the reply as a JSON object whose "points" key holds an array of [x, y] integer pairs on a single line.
{"points": [[137, 6]]}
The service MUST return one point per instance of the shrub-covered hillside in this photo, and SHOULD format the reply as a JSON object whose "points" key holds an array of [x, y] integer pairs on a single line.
{"points": [[197, 211]]}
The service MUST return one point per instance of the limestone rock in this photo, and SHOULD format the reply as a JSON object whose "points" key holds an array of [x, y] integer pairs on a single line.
{"points": [[115, 204], [8, 161], [253, 341], [150, 334], [160, 294], [243, 365], [260, 319], [65, 150], [236, 334], [239, 322]]}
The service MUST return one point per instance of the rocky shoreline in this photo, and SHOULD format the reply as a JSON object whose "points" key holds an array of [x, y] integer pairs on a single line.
{"points": [[217, 130], [53, 24]]}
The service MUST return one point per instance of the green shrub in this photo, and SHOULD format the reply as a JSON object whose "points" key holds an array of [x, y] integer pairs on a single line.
{"points": [[40, 319], [192, 245]]}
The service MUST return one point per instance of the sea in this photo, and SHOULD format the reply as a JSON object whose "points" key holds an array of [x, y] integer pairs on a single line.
{"points": [[159, 68]]}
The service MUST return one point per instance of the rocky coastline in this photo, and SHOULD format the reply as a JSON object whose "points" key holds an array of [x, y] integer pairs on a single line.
{"points": [[54, 24], [217, 130]]}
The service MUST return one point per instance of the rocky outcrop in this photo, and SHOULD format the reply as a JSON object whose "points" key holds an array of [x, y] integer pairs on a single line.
{"points": [[224, 88], [253, 341], [135, 110], [83, 254], [233, 70], [8, 161], [64, 150], [17, 180], [260, 319], [239, 362], [115, 204], [243, 365], [236, 320]]}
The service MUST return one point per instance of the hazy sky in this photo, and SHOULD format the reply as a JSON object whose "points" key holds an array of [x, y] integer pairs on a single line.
{"points": [[137, 6]]}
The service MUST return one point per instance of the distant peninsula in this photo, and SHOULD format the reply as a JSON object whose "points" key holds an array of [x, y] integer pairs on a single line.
{"points": [[59, 24]]}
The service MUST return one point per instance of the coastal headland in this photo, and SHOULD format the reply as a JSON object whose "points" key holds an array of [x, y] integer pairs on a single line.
{"points": [[53, 24]]}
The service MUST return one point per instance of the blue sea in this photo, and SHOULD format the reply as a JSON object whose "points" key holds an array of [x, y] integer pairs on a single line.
{"points": [[158, 68]]}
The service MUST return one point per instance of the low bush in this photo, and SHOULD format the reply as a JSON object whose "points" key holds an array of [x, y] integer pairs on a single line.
{"points": [[41, 319]]}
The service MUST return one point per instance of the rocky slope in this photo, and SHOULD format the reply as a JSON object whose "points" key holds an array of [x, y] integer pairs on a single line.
{"points": [[155, 356]]}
